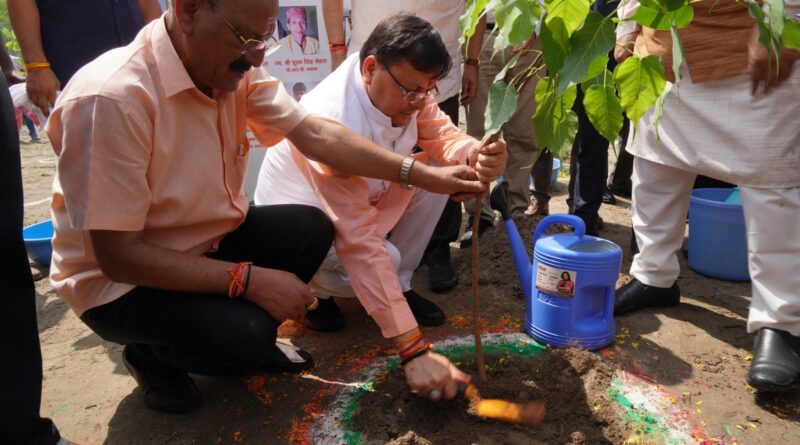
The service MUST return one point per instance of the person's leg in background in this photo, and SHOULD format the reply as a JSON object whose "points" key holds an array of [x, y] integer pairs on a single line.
{"points": [[168, 334], [619, 178], [441, 273], [541, 174], [488, 68], [658, 212], [773, 253], [588, 170], [21, 369], [31, 128]]}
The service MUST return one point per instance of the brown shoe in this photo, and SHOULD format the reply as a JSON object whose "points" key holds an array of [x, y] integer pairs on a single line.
{"points": [[538, 208]]}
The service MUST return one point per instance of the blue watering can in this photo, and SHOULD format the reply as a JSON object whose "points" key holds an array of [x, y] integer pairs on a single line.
{"points": [[569, 287]]}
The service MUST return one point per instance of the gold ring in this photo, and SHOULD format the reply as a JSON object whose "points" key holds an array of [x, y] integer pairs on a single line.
{"points": [[313, 305]]}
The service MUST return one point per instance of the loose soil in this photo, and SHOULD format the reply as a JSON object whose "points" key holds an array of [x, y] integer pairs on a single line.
{"points": [[698, 353], [571, 382]]}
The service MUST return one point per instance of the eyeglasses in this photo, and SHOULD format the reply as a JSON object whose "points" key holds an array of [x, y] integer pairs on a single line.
{"points": [[412, 97], [255, 47]]}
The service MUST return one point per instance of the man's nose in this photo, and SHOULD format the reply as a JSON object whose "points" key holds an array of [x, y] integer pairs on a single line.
{"points": [[254, 58]]}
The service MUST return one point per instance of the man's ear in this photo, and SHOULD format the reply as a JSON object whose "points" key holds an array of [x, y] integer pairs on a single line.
{"points": [[186, 14], [368, 68]]}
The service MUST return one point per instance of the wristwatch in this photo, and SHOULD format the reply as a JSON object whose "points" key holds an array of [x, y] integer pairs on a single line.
{"points": [[405, 169]]}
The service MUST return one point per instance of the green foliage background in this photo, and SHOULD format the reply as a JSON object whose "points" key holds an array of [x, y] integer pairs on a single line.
{"points": [[9, 38], [575, 43]]}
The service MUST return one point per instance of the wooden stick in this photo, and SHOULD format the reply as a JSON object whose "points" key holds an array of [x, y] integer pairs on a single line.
{"points": [[476, 322]]}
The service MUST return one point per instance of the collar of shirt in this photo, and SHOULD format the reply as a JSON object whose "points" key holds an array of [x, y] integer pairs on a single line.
{"points": [[173, 75]]}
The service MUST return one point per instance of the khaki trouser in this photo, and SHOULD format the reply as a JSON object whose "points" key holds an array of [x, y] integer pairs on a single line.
{"points": [[518, 132]]}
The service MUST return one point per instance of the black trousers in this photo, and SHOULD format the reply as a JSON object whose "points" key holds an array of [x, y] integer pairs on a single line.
{"points": [[446, 231], [588, 169], [20, 354], [212, 334]]}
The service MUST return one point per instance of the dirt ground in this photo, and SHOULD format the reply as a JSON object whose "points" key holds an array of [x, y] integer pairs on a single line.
{"points": [[697, 354]]}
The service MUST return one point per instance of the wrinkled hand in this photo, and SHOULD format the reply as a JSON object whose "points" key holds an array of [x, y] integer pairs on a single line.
{"points": [[434, 371], [280, 293], [763, 66], [489, 160], [624, 46], [469, 84], [42, 86], [337, 58], [458, 181]]}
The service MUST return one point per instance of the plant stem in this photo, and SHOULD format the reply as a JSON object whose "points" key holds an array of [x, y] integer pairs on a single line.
{"points": [[476, 322]]}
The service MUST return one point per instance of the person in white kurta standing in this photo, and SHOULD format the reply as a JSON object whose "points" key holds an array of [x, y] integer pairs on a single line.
{"points": [[724, 125]]}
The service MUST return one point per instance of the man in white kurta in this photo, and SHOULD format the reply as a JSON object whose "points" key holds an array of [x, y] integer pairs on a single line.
{"points": [[716, 126], [385, 95], [444, 16]]}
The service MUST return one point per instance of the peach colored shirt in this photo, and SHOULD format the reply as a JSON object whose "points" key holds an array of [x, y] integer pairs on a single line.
{"points": [[140, 148]]}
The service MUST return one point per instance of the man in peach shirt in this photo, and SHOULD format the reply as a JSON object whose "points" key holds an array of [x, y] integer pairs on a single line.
{"points": [[155, 246], [385, 93]]}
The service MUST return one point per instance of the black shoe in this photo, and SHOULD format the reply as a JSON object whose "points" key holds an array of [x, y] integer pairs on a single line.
{"points": [[425, 311], [776, 361], [608, 197], [466, 239], [636, 295], [171, 392], [442, 277], [327, 317], [287, 357]]}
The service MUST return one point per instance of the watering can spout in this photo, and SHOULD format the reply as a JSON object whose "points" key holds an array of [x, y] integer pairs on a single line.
{"points": [[499, 201]]}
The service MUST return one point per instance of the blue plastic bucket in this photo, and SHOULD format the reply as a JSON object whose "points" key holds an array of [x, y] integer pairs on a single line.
{"points": [[717, 238], [580, 314], [38, 242]]}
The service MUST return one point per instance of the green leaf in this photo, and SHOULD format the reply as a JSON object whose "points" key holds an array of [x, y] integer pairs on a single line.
{"points": [[594, 39], [604, 110], [639, 81], [571, 13], [596, 68], [555, 43], [659, 112], [776, 18], [469, 20], [556, 124], [515, 21], [662, 19], [678, 55], [606, 77], [791, 35], [502, 104], [502, 74]]}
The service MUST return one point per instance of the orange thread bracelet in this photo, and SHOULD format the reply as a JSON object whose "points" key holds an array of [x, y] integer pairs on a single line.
{"points": [[409, 339], [240, 279], [33, 66], [337, 47]]}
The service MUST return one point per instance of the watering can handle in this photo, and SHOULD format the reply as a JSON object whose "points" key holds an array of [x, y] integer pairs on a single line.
{"points": [[570, 220]]}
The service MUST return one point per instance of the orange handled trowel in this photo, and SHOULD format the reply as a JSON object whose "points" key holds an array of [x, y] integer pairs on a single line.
{"points": [[530, 413]]}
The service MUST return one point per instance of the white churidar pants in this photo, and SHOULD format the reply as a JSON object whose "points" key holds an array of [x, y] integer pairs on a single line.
{"points": [[772, 218], [406, 245]]}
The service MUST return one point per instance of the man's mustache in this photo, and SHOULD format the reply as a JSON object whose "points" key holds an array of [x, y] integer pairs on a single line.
{"points": [[240, 65]]}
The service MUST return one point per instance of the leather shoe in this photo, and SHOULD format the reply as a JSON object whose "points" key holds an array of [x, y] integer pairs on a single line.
{"points": [[168, 391], [442, 277], [327, 317], [425, 311], [466, 239], [636, 295], [776, 361], [608, 197]]}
